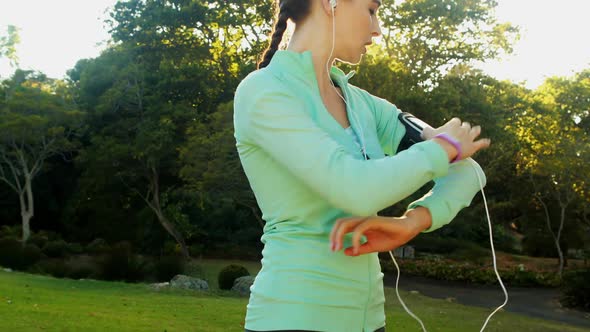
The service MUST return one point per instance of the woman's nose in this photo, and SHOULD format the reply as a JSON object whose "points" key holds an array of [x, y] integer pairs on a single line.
{"points": [[376, 28]]}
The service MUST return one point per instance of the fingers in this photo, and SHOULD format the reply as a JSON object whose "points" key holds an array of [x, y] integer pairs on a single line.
{"points": [[342, 227], [475, 131], [482, 144], [362, 249], [455, 121], [358, 232]]}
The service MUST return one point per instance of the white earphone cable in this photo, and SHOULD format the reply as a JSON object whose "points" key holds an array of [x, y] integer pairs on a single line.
{"points": [[364, 151], [361, 136], [472, 163]]}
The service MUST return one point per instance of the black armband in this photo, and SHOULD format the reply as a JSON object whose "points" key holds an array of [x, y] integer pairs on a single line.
{"points": [[414, 128]]}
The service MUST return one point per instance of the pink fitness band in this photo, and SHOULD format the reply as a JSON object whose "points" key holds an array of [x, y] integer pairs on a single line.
{"points": [[454, 142]]}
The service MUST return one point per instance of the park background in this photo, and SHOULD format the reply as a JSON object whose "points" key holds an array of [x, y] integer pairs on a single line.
{"points": [[126, 168]]}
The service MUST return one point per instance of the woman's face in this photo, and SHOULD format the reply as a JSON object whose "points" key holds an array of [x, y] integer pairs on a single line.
{"points": [[356, 25]]}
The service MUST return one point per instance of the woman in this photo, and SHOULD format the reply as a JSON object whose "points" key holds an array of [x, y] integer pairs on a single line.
{"points": [[321, 162]]}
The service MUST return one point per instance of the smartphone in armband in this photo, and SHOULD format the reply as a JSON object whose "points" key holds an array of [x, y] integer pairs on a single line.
{"points": [[414, 128]]}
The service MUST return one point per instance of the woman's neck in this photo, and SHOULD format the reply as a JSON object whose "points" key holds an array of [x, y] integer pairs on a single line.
{"points": [[302, 41]]}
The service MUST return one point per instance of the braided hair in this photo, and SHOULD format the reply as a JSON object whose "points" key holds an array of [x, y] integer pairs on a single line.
{"points": [[295, 10]]}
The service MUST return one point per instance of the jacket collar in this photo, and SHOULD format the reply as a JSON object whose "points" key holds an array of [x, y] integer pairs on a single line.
{"points": [[300, 65], [292, 65]]}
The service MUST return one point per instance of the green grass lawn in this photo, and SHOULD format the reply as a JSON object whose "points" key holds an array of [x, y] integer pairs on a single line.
{"points": [[39, 303]]}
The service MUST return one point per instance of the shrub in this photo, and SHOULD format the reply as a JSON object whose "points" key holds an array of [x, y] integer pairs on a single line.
{"points": [[10, 250], [14, 256], [97, 246], [120, 263], [14, 231], [81, 272], [169, 266], [576, 289], [30, 255], [196, 250], [74, 248], [56, 249], [475, 273], [39, 239], [229, 274], [53, 266]]}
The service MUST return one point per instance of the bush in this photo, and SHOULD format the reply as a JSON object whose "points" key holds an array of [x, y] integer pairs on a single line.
{"points": [[14, 231], [53, 266], [169, 266], [229, 274], [31, 254], [97, 246], [576, 289], [445, 269], [81, 272], [74, 248], [9, 249], [120, 263], [39, 239], [56, 249], [438, 245], [14, 256], [196, 250]]}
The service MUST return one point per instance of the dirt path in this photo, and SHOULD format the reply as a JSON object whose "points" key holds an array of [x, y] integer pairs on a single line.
{"points": [[536, 302]]}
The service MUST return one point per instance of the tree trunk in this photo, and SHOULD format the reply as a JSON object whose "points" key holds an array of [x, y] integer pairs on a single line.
{"points": [[553, 235], [168, 226], [26, 209], [155, 205], [254, 212]]}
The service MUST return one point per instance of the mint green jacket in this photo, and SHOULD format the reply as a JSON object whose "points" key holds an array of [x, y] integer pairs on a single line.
{"points": [[306, 172]]}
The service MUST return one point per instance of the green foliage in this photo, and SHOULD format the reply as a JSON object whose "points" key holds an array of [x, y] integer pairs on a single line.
{"points": [[31, 254], [432, 243], [229, 274], [167, 267], [39, 239], [97, 246], [56, 267], [81, 272], [423, 37], [8, 45], [576, 289], [10, 231], [121, 263], [464, 271], [56, 249], [13, 255]]}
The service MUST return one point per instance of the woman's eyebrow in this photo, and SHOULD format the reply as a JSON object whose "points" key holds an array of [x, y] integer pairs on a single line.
{"points": [[378, 2]]}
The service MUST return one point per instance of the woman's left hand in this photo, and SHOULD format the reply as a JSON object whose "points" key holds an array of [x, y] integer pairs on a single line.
{"points": [[382, 233]]}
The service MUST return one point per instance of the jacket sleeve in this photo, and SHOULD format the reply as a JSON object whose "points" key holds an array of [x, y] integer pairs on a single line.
{"points": [[274, 119], [451, 192]]}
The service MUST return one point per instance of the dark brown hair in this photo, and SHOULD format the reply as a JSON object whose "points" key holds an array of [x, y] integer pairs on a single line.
{"points": [[295, 10]]}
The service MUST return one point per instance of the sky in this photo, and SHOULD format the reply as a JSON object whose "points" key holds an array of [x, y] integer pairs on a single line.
{"points": [[56, 34]]}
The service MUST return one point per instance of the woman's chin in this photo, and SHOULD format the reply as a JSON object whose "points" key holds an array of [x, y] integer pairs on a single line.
{"points": [[352, 60]]}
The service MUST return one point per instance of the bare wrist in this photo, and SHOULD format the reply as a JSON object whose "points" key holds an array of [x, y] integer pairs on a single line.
{"points": [[420, 217]]}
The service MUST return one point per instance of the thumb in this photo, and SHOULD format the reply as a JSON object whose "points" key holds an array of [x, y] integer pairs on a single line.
{"points": [[427, 133]]}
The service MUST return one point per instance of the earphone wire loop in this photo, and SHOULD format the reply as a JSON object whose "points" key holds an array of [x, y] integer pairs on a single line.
{"points": [[362, 136]]}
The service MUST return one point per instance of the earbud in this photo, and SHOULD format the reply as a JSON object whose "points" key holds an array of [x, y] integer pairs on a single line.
{"points": [[333, 3]]}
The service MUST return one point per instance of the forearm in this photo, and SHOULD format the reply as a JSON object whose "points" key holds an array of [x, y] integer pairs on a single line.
{"points": [[420, 219]]}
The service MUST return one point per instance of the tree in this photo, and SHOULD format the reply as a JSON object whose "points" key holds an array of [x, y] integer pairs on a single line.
{"points": [[211, 165], [427, 37], [8, 46], [555, 156], [134, 130], [35, 124]]}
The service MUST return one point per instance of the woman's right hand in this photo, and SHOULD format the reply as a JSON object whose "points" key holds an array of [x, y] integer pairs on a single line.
{"points": [[463, 133]]}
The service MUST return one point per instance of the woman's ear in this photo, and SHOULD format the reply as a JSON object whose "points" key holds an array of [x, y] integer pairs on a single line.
{"points": [[329, 6]]}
